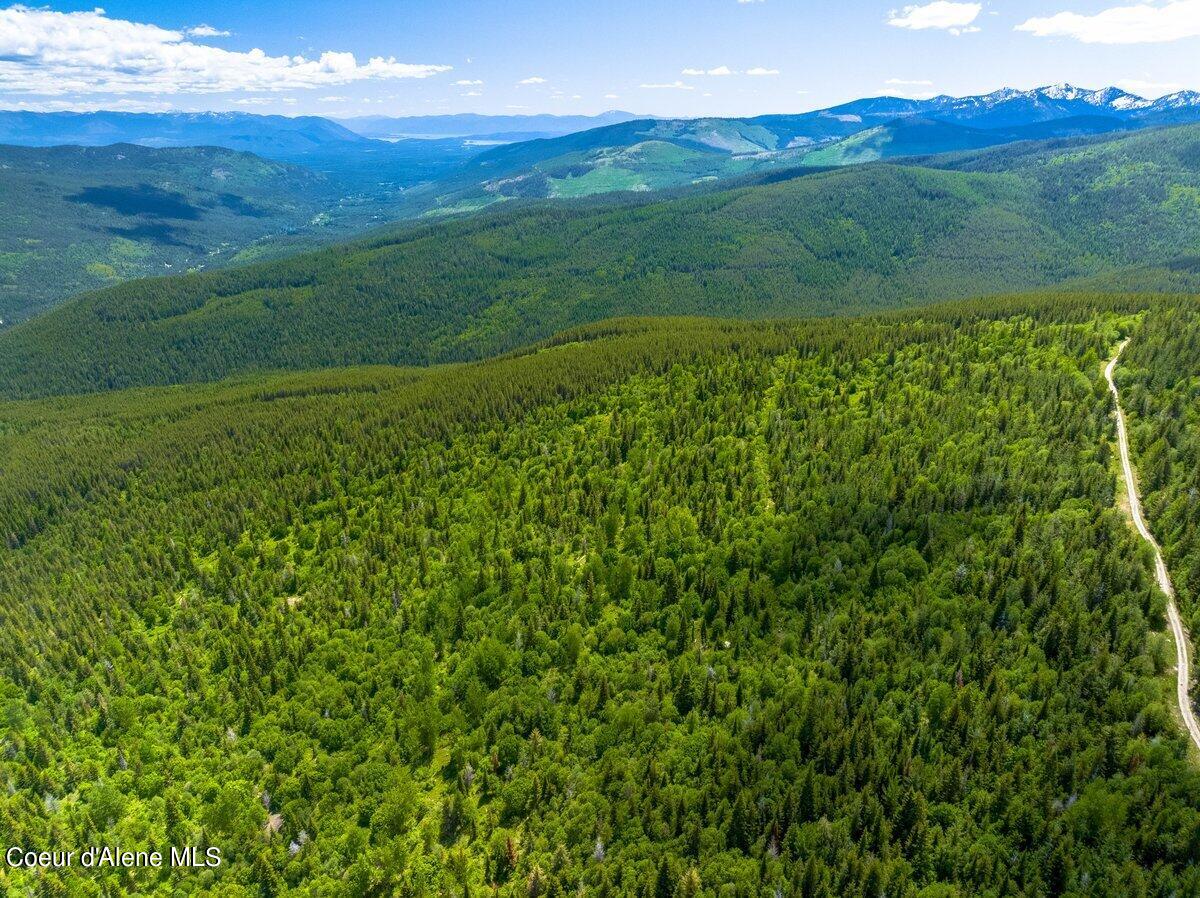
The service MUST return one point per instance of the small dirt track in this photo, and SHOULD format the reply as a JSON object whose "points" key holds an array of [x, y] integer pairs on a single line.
{"points": [[1160, 568]]}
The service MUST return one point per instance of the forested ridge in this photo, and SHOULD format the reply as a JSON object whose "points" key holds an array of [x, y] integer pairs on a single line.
{"points": [[853, 240], [654, 608]]}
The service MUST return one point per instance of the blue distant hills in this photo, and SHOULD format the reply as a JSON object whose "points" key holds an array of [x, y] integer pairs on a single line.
{"points": [[280, 136]]}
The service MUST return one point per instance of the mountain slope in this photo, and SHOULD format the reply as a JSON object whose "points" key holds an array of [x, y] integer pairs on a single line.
{"points": [[920, 136], [77, 218], [905, 137], [1132, 199], [849, 240]]}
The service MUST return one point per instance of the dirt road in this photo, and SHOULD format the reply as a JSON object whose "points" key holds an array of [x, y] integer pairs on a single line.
{"points": [[1160, 567]]}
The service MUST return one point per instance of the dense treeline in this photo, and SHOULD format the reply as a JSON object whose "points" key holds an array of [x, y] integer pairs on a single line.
{"points": [[654, 609], [1145, 186], [851, 240], [1161, 376]]}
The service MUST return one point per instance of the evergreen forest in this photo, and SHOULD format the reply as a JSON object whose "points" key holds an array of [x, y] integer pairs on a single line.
{"points": [[654, 607]]}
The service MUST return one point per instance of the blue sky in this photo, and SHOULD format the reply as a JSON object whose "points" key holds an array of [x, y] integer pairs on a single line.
{"points": [[699, 57]]}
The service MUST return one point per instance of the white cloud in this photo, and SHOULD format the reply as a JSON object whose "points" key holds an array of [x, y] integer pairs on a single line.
{"points": [[1150, 89], [718, 72], [206, 31], [674, 85], [535, 79], [122, 105], [612, 96], [334, 100], [472, 93], [1143, 23], [50, 53], [760, 71], [944, 14], [467, 83]]}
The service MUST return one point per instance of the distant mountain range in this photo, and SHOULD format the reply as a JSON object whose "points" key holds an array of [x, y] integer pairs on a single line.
{"points": [[655, 154], [278, 136], [1008, 108]]}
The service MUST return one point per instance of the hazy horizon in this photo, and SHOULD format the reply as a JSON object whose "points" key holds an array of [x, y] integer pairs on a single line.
{"points": [[800, 109]]}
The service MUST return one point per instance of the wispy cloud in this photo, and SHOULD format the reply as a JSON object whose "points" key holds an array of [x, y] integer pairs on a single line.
{"points": [[717, 72], [48, 53], [759, 71], [206, 31], [674, 85], [1142, 23], [534, 79], [137, 104], [468, 83], [1151, 89], [957, 18]]}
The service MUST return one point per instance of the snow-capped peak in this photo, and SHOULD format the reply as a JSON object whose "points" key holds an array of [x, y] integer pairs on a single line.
{"points": [[1129, 101], [1113, 97], [1108, 97], [1178, 100], [1010, 106], [1062, 91]]}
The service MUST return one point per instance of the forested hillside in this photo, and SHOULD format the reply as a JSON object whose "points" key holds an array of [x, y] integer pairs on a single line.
{"points": [[77, 218], [657, 608], [1127, 199], [851, 240]]}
